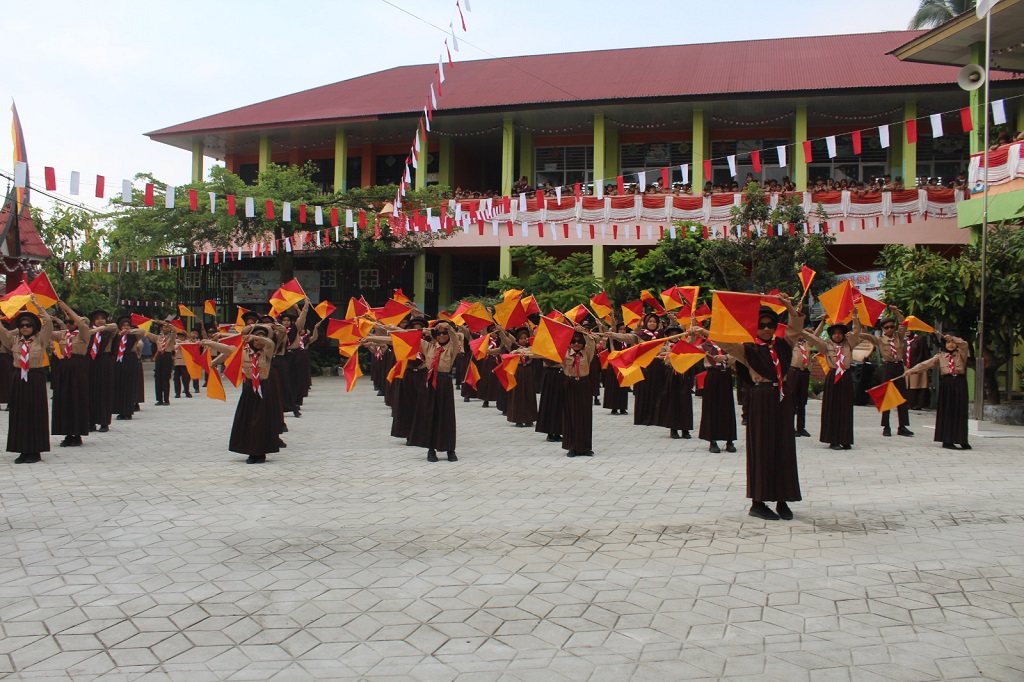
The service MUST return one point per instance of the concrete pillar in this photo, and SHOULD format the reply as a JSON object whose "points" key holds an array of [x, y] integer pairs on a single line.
{"points": [[446, 162], [367, 170], [505, 261], [895, 150], [701, 151], [977, 102], [599, 151], [527, 156], [444, 281], [197, 159], [611, 151], [340, 160], [799, 171], [419, 280], [508, 150], [420, 174], [264, 161], [598, 259], [909, 150]]}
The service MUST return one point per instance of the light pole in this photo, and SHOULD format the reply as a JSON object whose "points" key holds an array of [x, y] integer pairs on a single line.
{"points": [[979, 362]]}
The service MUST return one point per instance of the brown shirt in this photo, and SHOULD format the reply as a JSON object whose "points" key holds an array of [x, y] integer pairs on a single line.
{"points": [[891, 350], [799, 349], [37, 344], [942, 358], [577, 365], [831, 350], [448, 352], [266, 355], [737, 350]]}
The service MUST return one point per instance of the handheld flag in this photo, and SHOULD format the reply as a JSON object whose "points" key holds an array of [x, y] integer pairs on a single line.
{"points": [[183, 311], [530, 306], [239, 322], [868, 309], [177, 324], [397, 371], [406, 344], [552, 339], [477, 318], [16, 300], [601, 306], [141, 322], [915, 325], [577, 314], [650, 299], [886, 396], [357, 307], [632, 313], [734, 317], [703, 312], [509, 313], [506, 371], [478, 347], [699, 380], [806, 277], [393, 312], [287, 295], [684, 355], [192, 354], [324, 309], [838, 302], [456, 317], [43, 290], [472, 375], [772, 302], [210, 307], [233, 364], [400, 297], [214, 386], [348, 332], [352, 372]]}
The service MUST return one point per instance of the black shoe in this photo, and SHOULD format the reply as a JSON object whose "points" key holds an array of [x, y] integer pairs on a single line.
{"points": [[66, 442], [487, 403], [552, 438], [123, 417], [571, 453], [256, 459], [904, 431], [949, 446], [177, 396], [686, 435], [714, 447], [103, 429], [784, 512], [761, 511], [729, 447], [623, 412], [965, 446], [597, 401], [796, 433], [744, 422], [674, 434], [284, 428], [465, 400], [431, 455], [452, 457], [801, 432], [615, 411], [886, 431], [21, 459], [588, 453], [835, 446], [138, 408], [188, 395], [76, 442], [281, 443], [847, 447]]}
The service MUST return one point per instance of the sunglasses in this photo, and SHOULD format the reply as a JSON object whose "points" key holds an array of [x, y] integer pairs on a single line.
{"points": [[766, 325], [26, 325], [888, 326]]}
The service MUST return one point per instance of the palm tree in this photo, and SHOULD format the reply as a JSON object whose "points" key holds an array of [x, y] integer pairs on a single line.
{"points": [[931, 13]]}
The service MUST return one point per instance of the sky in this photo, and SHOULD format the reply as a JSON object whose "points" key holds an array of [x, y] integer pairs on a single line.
{"points": [[90, 79]]}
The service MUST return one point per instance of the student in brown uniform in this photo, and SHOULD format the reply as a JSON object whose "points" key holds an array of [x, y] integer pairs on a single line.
{"points": [[101, 370], [798, 382], [522, 400], [892, 346], [70, 380], [616, 398], [28, 430], [255, 429], [577, 406], [951, 414], [181, 377], [126, 367], [433, 425], [717, 412], [163, 361], [837, 397], [771, 443], [918, 394]]}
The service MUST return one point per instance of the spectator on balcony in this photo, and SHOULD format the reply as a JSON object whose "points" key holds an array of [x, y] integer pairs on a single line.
{"points": [[1004, 139], [708, 188], [898, 185]]}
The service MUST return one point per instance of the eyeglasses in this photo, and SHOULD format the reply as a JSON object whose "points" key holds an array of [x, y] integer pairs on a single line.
{"points": [[888, 326], [25, 325], [766, 325]]}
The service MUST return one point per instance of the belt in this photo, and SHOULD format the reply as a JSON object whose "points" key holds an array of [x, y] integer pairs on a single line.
{"points": [[892, 362], [764, 384]]}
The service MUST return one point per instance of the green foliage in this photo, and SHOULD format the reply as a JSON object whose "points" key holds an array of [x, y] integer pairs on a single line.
{"points": [[931, 13], [555, 284], [75, 238], [682, 261]]}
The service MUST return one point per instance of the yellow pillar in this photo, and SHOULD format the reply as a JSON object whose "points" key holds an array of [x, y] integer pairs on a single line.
{"points": [[505, 261], [340, 160], [799, 163], [446, 162], [909, 150], [444, 281], [264, 153], [526, 156], [701, 150], [197, 159], [598, 260], [420, 179], [419, 280], [895, 150], [611, 151], [508, 151], [599, 151]]}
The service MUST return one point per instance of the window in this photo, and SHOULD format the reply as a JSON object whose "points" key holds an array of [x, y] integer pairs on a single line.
{"points": [[563, 166], [369, 279], [429, 281], [770, 169], [328, 279], [653, 156], [193, 279]]}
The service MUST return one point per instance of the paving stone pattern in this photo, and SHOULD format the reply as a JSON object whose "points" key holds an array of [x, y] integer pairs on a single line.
{"points": [[154, 554]]}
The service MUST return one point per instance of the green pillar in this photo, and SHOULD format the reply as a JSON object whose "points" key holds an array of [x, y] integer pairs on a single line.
{"points": [[611, 151], [264, 153], [977, 102], [909, 150], [526, 156], [444, 281], [197, 160], [598, 260], [446, 162], [419, 280], [895, 150], [1020, 115], [340, 159], [420, 179], [508, 151], [505, 261], [600, 168], [799, 162], [701, 150]]}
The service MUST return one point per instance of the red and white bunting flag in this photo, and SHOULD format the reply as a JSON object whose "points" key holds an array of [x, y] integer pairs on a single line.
{"points": [[685, 168], [426, 118], [830, 143], [966, 120], [213, 201], [76, 179], [558, 195], [755, 160], [781, 149], [318, 215], [250, 207], [50, 176], [449, 52], [855, 136], [461, 18], [193, 200], [231, 204], [911, 127], [286, 212], [641, 180], [731, 160], [169, 197], [433, 98], [101, 183], [883, 136], [577, 190], [808, 152], [666, 179], [147, 196], [999, 112], [468, 9], [440, 73], [936, 121]]}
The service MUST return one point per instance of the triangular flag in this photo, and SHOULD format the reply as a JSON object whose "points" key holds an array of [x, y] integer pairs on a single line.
{"points": [[506, 371], [210, 307], [806, 277], [684, 355], [915, 325], [838, 302], [183, 311], [352, 372], [43, 290]]}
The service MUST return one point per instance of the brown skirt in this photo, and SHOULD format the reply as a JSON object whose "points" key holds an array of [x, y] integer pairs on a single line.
{"points": [[280, 367], [255, 427], [615, 397], [837, 410], [549, 412], [718, 411], [28, 429], [101, 389], [488, 387], [405, 399], [951, 413], [577, 415], [675, 405], [798, 381], [648, 392], [522, 400], [140, 383], [125, 383], [70, 378], [433, 423], [595, 377], [771, 446]]}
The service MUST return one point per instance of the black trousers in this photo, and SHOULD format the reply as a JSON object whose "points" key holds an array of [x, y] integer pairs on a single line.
{"points": [[163, 367], [181, 379], [891, 370]]}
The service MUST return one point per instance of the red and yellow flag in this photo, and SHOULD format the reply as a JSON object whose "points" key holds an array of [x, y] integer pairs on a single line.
{"points": [[478, 346], [734, 317], [641, 355], [13, 302], [868, 309], [239, 322], [214, 386], [552, 339], [915, 325], [177, 324], [352, 372], [806, 277], [43, 290], [509, 313], [629, 375], [183, 311], [287, 295], [192, 353], [577, 314], [456, 317], [400, 297], [393, 312], [823, 363], [397, 371], [838, 302], [601, 306], [477, 318], [348, 332], [632, 313], [210, 307], [141, 322], [530, 306], [772, 301], [699, 380], [233, 364], [652, 300], [703, 312], [684, 355], [324, 309], [506, 371], [357, 307], [406, 344], [886, 396], [472, 375]]}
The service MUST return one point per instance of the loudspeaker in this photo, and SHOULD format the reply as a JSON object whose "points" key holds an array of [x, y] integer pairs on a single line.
{"points": [[971, 77]]}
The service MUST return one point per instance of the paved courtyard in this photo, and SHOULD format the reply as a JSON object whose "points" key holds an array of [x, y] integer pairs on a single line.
{"points": [[154, 554]]}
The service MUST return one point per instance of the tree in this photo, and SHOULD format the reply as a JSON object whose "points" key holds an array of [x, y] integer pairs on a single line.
{"points": [[932, 13], [556, 284], [75, 238]]}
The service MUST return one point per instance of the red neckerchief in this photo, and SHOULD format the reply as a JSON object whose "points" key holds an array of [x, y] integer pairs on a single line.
{"points": [[23, 358], [893, 348], [68, 340], [906, 362], [121, 347], [778, 365], [840, 358], [432, 372], [163, 345], [576, 363], [302, 341], [255, 359], [951, 361], [803, 352], [94, 349], [718, 351]]}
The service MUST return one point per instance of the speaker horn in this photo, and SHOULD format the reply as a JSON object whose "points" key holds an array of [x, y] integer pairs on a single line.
{"points": [[971, 77]]}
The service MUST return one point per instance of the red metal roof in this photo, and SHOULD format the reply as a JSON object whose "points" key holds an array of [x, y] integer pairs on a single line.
{"points": [[22, 239], [674, 71]]}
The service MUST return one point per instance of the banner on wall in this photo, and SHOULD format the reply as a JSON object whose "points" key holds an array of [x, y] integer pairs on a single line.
{"points": [[870, 283], [255, 286]]}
